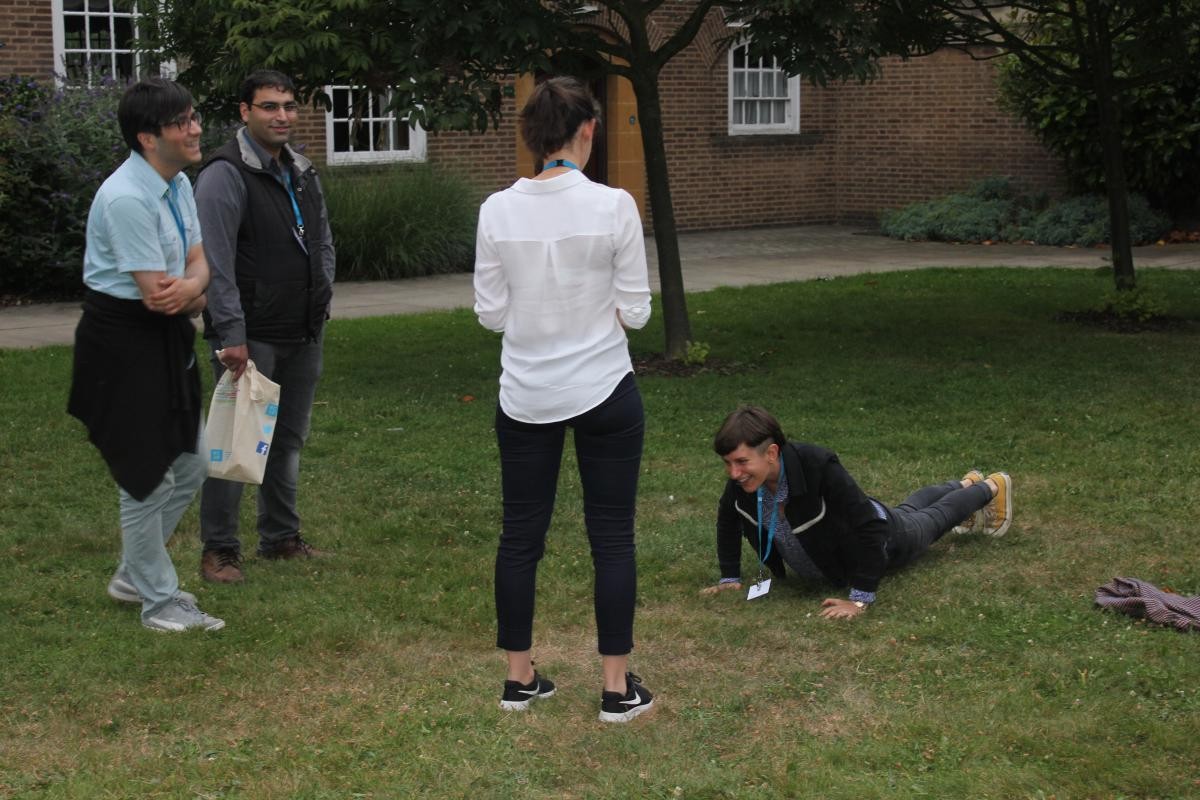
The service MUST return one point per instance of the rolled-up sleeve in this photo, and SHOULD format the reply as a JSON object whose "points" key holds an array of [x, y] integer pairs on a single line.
{"points": [[630, 279], [491, 285]]}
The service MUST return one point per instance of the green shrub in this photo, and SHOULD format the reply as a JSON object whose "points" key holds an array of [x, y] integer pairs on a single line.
{"points": [[696, 354], [1138, 305], [991, 210], [56, 148], [1085, 221], [401, 222], [1159, 129]]}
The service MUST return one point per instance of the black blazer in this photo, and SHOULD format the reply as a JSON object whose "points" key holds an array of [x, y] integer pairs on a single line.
{"points": [[834, 520]]}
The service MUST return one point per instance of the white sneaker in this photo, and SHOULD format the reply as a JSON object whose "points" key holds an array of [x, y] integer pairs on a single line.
{"points": [[122, 591], [181, 615]]}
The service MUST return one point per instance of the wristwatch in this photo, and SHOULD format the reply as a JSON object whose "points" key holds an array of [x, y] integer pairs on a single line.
{"points": [[859, 604]]}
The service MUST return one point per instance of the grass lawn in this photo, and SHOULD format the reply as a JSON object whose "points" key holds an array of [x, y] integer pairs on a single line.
{"points": [[984, 671]]}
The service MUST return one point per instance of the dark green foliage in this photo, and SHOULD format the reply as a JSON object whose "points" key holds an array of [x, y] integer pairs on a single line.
{"points": [[1085, 221], [401, 222], [1135, 305], [1159, 121], [992, 210], [56, 148]]}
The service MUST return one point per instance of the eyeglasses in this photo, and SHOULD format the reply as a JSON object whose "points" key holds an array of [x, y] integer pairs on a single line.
{"points": [[184, 121], [271, 107]]}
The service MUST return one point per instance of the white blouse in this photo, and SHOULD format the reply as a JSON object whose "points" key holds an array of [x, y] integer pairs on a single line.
{"points": [[555, 260]]}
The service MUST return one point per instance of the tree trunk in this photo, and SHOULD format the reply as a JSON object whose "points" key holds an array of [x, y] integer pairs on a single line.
{"points": [[1108, 109], [670, 271]]}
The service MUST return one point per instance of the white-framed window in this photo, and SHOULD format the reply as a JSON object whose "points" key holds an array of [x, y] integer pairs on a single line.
{"points": [[762, 98], [93, 40], [360, 130]]}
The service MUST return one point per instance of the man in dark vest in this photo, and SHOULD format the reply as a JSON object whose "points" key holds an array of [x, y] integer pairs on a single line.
{"points": [[266, 235]]}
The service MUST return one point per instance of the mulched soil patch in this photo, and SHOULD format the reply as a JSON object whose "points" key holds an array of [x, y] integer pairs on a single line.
{"points": [[1121, 324], [659, 366]]}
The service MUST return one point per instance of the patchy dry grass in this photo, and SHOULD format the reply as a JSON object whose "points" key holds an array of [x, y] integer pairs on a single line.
{"points": [[983, 672]]}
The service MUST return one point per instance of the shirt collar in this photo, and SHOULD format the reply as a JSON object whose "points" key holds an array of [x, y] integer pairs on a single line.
{"points": [[264, 158], [147, 175], [555, 184]]}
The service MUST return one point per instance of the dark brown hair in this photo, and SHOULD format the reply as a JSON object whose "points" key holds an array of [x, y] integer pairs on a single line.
{"points": [[751, 425], [147, 106], [552, 115]]}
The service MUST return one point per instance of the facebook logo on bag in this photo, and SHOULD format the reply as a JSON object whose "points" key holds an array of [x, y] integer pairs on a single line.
{"points": [[262, 448], [216, 455]]}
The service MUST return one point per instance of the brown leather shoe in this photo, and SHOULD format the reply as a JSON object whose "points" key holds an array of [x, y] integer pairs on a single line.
{"points": [[294, 547], [221, 566]]}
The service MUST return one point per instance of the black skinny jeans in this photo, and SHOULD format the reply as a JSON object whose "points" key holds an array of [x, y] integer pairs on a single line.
{"points": [[608, 446], [927, 514]]}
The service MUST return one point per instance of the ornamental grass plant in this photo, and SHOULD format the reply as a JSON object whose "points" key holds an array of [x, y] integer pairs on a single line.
{"points": [[401, 222], [984, 671]]}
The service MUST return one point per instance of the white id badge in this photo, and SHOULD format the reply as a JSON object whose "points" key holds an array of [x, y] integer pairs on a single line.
{"points": [[759, 589]]}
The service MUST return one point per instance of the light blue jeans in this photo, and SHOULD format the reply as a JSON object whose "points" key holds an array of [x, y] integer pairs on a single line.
{"points": [[147, 526]]}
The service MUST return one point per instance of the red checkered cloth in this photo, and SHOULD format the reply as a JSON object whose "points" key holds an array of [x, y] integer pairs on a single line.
{"points": [[1140, 599]]}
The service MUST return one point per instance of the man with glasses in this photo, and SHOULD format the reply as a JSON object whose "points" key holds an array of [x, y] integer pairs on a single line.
{"points": [[135, 383], [268, 243]]}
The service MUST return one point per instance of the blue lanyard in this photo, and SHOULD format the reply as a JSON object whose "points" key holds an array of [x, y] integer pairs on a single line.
{"points": [[771, 525], [287, 182], [178, 217], [560, 162]]}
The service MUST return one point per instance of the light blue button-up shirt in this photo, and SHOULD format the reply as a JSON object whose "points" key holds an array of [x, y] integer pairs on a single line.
{"points": [[131, 228]]}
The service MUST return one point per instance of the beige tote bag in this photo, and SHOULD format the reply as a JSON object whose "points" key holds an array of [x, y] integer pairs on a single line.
{"points": [[241, 424]]}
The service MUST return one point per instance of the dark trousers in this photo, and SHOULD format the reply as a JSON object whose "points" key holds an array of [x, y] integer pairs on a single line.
{"points": [[927, 514], [608, 446]]}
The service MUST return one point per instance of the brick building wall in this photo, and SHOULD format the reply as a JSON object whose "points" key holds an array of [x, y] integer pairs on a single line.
{"points": [[488, 160], [723, 181], [926, 127], [26, 29]]}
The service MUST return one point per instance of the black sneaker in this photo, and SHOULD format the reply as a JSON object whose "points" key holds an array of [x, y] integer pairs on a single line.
{"points": [[517, 697], [617, 708]]}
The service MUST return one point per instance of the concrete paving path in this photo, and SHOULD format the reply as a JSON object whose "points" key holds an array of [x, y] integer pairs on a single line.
{"points": [[710, 259]]}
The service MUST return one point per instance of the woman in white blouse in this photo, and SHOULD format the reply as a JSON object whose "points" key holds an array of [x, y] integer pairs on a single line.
{"points": [[560, 270]]}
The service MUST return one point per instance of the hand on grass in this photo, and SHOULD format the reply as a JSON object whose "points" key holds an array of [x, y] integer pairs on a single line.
{"points": [[721, 587], [833, 608]]}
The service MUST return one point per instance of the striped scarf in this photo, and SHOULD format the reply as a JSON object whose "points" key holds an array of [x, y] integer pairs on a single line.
{"points": [[1140, 599]]}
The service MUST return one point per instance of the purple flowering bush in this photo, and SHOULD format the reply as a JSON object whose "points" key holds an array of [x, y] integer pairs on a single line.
{"points": [[56, 147]]}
